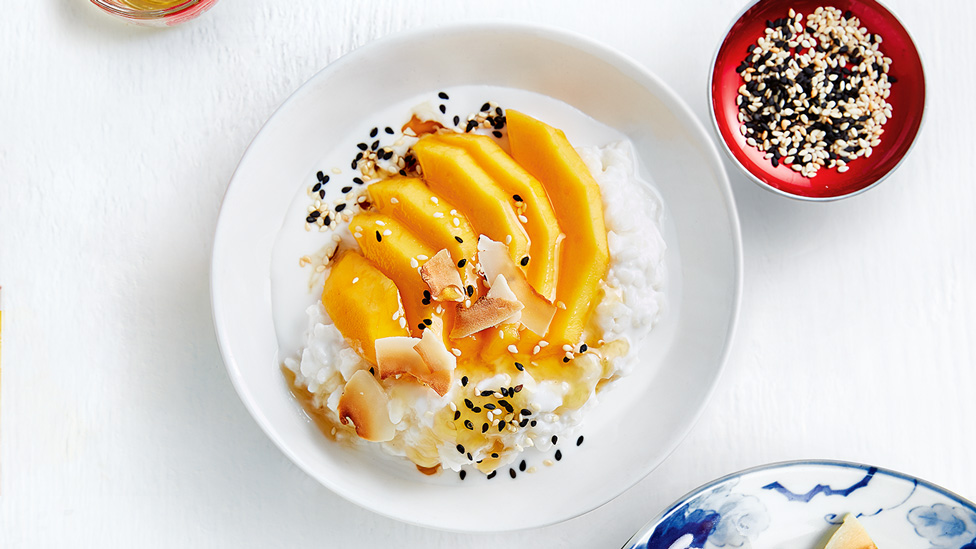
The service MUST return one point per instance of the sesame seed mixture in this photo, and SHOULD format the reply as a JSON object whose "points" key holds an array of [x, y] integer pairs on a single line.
{"points": [[814, 91]]}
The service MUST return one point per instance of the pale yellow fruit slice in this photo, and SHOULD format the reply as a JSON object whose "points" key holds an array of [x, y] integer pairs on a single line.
{"points": [[850, 535]]}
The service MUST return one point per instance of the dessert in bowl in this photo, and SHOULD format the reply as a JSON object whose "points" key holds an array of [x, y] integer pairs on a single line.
{"points": [[604, 99], [489, 279]]}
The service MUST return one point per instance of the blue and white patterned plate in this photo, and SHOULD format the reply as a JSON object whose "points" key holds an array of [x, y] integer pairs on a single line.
{"points": [[797, 505]]}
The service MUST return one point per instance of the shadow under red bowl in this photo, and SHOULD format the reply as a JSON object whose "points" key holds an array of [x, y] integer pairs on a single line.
{"points": [[907, 100]]}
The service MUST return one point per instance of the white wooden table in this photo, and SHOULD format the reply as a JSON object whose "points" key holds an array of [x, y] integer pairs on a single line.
{"points": [[120, 428]]}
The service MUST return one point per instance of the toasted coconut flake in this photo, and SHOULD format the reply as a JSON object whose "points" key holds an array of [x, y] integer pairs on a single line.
{"points": [[500, 288], [396, 356], [440, 362], [364, 403], [487, 312], [442, 277], [495, 260]]}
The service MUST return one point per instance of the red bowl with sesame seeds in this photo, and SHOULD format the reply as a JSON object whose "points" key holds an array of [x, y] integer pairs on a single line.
{"points": [[884, 152]]}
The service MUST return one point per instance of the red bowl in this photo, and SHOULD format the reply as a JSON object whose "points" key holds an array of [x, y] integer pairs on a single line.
{"points": [[907, 100]]}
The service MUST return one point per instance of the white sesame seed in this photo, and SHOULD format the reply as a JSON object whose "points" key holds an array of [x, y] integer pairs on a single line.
{"points": [[457, 352], [394, 200], [438, 215], [387, 232], [512, 349], [355, 280]]}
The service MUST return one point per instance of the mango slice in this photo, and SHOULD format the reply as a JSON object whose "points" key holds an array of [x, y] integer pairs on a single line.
{"points": [[454, 174], [527, 195], [398, 253], [575, 196], [428, 215], [362, 302]]}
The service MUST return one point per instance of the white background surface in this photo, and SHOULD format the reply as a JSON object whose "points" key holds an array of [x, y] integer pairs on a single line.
{"points": [[119, 426]]}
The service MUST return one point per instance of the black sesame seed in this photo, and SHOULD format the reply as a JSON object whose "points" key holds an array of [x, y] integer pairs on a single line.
{"points": [[357, 181], [327, 220], [320, 176], [389, 130], [468, 425], [848, 14], [375, 145], [525, 412], [372, 370], [506, 405], [519, 367], [346, 189], [340, 207], [403, 172], [565, 359], [533, 423], [485, 107], [315, 214], [469, 456], [524, 422], [892, 79], [468, 403], [309, 219], [373, 132], [457, 415], [462, 262], [354, 164], [463, 474], [459, 239], [470, 290], [476, 409], [494, 455], [497, 134], [472, 124], [559, 455], [464, 381], [491, 475], [443, 95], [525, 261], [554, 439], [421, 326], [317, 187], [499, 111], [322, 193], [511, 473], [443, 109], [501, 427], [379, 237], [583, 348], [460, 448], [490, 406], [516, 198], [427, 321], [425, 301], [362, 146], [518, 388], [484, 427], [579, 440], [486, 393], [522, 465], [427, 294], [457, 120]]}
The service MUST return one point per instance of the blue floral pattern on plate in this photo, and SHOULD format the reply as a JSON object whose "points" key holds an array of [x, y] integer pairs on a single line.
{"points": [[798, 504]]}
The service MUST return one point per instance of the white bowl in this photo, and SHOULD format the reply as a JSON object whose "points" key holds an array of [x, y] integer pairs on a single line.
{"points": [[641, 420]]}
